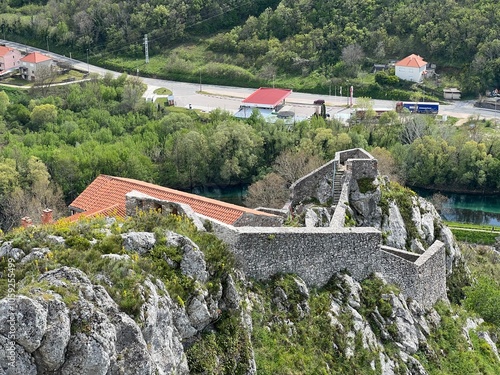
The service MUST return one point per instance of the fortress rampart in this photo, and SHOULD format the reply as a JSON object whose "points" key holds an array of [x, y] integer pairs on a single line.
{"points": [[421, 277], [316, 254]]}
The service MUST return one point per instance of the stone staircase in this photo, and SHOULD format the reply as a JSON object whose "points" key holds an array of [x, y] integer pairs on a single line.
{"points": [[337, 184]]}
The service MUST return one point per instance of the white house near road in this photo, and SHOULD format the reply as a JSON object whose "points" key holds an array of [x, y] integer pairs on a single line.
{"points": [[411, 68]]}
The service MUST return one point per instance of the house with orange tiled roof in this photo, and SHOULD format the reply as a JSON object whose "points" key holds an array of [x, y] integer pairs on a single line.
{"points": [[9, 58], [106, 196], [30, 64], [411, 68]]}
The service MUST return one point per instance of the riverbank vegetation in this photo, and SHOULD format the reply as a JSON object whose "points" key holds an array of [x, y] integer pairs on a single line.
{"points": [[308, 46]]}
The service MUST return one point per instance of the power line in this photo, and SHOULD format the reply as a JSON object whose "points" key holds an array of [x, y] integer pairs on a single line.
{"points": [[159, 37]]}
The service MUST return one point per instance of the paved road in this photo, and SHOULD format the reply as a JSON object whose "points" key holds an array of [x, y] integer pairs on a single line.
{"points": [[209, 97]]}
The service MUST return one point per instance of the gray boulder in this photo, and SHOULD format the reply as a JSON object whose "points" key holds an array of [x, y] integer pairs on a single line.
{"points": [[193, 260], [30, 321], [36, 253], [395, 228], [21, 363], [51, 354], [116, 257], [160, 332], [12, 252], [198, 313], [56, 240], [366, 206], [132, 356], [140, 242], [317, 217], [408, 334]]}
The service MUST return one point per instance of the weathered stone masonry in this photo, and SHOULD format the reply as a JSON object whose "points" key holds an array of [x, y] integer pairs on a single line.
{"points": [[421, 277], [316, 254]]}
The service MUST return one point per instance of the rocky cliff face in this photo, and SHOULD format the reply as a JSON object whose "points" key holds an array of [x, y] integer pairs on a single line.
{"points": [[66, 322], [153, 301], [407, 221]]}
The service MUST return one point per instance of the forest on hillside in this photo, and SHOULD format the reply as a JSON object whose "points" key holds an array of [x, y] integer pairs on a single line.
{"points": [[316, 40], [55, 141]]}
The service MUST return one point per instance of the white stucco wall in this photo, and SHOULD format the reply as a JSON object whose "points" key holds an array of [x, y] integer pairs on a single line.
{"points": [[409, 73]]}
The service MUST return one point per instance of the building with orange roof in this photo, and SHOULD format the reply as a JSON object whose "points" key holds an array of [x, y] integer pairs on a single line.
{"points": [[33, 63], [411, 68], [9, 58], [106, 196]]}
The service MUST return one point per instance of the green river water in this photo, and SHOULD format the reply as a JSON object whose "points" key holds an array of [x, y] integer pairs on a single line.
{"points": [[463, 208]]}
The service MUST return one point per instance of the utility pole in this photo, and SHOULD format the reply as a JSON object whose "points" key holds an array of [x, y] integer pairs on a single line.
{"points": [[88, 66], [200, 82], [48, 43], [146, 50]]}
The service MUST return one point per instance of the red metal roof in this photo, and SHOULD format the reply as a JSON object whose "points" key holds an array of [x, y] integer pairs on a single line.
{"points": [[414, 61], [268, 96], [106, 196], [35, 58]]}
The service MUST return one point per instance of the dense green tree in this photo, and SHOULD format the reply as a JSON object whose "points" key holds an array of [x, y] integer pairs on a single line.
{"points": [[236, 148], [4, 102], [187, 158], [42, 115]]}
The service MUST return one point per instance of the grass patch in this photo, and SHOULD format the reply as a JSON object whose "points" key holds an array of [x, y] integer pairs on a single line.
{"points": [[454, 224], [474, 236], [448, 351], [163, 91], [366, 185]]}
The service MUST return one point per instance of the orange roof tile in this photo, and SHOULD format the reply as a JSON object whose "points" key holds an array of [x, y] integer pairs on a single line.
{"points": [[35, 57], [414, 61], [107, 194], [4, 50]]}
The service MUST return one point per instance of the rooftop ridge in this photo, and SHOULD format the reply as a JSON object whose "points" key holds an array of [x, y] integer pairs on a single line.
{"points": [[106, 191]]}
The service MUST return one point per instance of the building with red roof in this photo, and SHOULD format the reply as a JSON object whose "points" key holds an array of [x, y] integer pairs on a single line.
{"points": [[9, 58], [266, 97], [32, 63], [105, 196], [411, 68], [266, 100]]}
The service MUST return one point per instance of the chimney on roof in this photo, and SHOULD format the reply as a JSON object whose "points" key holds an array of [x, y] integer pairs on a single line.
{"points": [[26, 222], [47, 216]]}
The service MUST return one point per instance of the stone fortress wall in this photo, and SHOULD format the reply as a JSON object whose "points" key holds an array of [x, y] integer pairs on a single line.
{"points": [[317, 253]]}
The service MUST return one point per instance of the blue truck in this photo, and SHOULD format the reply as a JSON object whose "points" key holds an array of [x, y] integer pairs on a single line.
{"points": [[419, 107]]}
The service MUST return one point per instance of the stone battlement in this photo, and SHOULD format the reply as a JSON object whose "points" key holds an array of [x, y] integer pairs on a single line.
{"points": [[316, 254]]}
